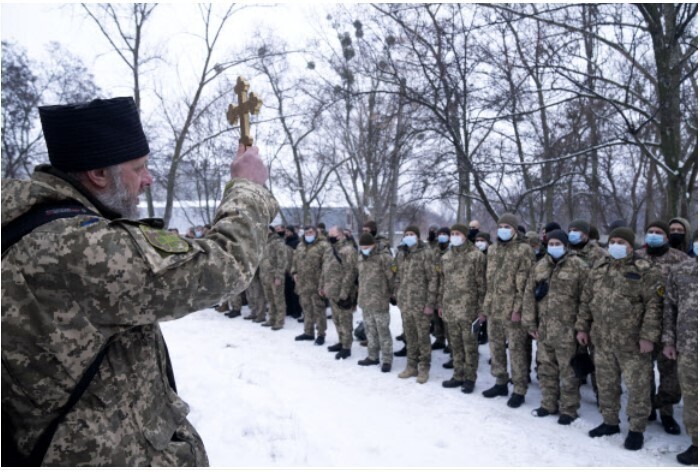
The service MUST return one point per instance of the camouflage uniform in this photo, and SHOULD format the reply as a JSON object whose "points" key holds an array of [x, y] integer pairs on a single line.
{"points": [[439, 325], [590, 253], [621, 305], [273, 267], [74, 283], [415, 288], [376, 279], [507, 270], [307, 265], [680, 329], [669, 392], [338, 279], [461, 296], [553, 317]]}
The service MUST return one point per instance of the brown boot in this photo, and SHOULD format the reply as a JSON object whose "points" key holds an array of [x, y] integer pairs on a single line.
{"points": [[409, 371], [422, 375]]}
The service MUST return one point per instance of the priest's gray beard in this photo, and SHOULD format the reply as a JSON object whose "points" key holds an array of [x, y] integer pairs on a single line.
{"points": [[118, 198]]}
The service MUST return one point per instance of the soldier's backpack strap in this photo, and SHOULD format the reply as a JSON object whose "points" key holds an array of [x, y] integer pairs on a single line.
{"points": [[40, 215]]}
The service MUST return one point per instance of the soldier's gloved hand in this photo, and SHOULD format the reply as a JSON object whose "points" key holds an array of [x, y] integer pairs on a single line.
{"points": [[428, 310], [645, 346], [515, 317], [670, 352], [248, 165], [582, 338]]}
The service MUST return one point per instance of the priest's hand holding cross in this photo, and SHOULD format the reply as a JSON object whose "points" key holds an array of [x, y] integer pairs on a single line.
{"points": [[247, 163]]}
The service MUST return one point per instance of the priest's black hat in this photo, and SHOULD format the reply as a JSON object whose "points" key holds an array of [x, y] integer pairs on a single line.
{"points": [[93, 135]]}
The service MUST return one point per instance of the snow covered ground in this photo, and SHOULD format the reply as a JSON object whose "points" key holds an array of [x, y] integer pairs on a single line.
{"points": [[261, 399]]}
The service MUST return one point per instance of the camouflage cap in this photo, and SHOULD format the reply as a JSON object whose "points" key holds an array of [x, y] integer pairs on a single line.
{"points": [[509, 219]]}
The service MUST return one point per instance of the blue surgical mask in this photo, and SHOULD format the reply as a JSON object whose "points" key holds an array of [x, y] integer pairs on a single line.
{"points": [[695, 248], [504, 234], [456, 240], [617, 251], [481, 245], [309, 239], [575, 237], [556, 251], [410, 241], [654, 240], [443, 238], [366, 251], [198, 234]]}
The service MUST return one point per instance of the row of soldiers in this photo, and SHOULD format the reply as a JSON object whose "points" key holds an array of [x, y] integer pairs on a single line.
{"points": [[562, 289]]}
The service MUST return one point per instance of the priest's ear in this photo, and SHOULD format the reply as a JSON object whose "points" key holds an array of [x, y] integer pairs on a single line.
{"points": [[98, 178]]}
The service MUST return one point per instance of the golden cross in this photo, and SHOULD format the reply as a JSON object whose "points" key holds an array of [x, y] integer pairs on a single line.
{"points": [[246, 104]]}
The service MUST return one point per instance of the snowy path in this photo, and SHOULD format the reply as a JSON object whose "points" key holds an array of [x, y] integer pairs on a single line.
{"points": [[260, 399]]}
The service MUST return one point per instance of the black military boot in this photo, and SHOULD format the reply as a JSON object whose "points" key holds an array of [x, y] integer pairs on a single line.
{"points": [[670, 425], [689, 457], [367, 361], [565, 419], [335, 347], [452, 383], [634, 441], [652, 415], [401, 337], [320, 340], [516, 400], [401, 352], [542, 412], [304, 337], [604, 430], [468, 386], [343, 354], [449, 364], [496, 391], [300, 319], [438, 344], [233, 314], [386, 367]]}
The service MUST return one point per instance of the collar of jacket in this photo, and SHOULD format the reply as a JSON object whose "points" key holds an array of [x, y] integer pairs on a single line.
{"points": [[80, 188], [658, 251]]}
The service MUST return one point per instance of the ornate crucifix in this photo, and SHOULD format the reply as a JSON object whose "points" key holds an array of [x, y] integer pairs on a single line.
{"points": [[246, 104]]}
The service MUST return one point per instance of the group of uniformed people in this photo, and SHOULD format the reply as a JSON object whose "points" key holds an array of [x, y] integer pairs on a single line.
{"points": [[612, 313]]}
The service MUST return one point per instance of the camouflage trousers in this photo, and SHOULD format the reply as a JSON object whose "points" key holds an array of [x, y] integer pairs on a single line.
{"points": [[342, 319], [633, 369], [669, 392], [558, 382], [688, 375], [464, 347], [439, 327], [314, 308], [276, 304], [416, 328], [378, 336], [517, 338], [254, 296]]}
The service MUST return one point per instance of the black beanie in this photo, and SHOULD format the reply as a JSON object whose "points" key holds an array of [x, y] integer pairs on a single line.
{"points": [[444, 230], [366, 239], [582, 225], [560, 235], [624, 233], [414, 229], [659, 224], [93, 135], [551, 226]]}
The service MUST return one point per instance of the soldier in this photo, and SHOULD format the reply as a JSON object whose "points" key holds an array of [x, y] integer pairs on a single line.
{"points": [[443, 244], [679, 235], [482, 242], [432, 236], [461, 296], [306, 270], [376, 277], [92, 283], [661, 255], [580, 244], [533, 239], [474, 229], [508, 265], [550, 306], [382, 242], [415, 291], [255, 297], [338, 285], [680, 339], [272, 269], [620, 313]]}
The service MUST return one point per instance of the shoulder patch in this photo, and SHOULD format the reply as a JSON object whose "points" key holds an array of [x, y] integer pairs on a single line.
{"points": [[438, 268], [394, 267], [661, 291], [164, 241]]}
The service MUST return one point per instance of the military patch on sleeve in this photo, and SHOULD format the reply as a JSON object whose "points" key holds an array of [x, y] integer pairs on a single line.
{"points": [[438, 268], [661, 291], [394, 268], [164, 241]]}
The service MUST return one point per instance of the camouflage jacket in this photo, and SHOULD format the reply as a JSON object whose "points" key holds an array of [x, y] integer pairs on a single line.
{"points": [[621, 304], [439, 251], [680, 316], [463, 283], [415, 285], [274, 263], [508, 267], [307, 264], [382, 244], [339, 273], [590, 253], [376, 279], [74, 283], [665, 261], [554, 315]]}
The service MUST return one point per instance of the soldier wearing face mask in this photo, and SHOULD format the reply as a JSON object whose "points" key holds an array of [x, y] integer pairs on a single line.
{"points": [[620, 313], [474, 228], [657, 250], [550, 307], [482, 241], [432, 237], [508, 266], [679, 235], [580, 244], [439, 328], [415, 290]]}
